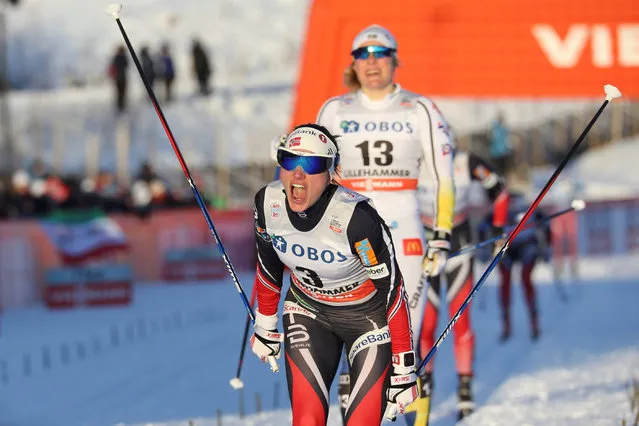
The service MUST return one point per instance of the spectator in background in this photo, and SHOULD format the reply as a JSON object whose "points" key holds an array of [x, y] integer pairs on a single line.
{"points": [[141, 198], [42, 203], [499, 145], [38, 170], [148, 65], [21, 203], [167, 71], [148, 191], [118, 73], [146, 173], [34, 192], [531, 246], [49, 190], [104, 192], [201, 67], [109, 192], [4, 199], [58, 191], [87, 193]]}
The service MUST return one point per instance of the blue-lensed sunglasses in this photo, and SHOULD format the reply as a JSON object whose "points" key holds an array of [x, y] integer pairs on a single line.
{"points": [[377, 51], [311, 164]]}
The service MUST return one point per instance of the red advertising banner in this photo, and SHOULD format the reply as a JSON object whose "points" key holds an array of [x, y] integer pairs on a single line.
{"points": [[99, 284], [168, 245], [487, 49]]}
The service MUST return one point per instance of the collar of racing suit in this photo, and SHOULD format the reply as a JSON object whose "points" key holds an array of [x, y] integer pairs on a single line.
{"points": [[307, 220], [382, 103]]}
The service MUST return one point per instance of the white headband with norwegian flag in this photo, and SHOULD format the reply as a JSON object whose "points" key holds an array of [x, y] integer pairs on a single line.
{"points": [[309, 141]]}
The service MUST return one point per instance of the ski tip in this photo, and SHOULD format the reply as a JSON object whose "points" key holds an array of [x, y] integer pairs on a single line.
{"points": [[611, 92], [114, 10], [236, 383], [578, 205]]}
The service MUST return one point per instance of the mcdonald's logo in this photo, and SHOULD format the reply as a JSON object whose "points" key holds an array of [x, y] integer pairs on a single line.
{"points": [[413, 247]]}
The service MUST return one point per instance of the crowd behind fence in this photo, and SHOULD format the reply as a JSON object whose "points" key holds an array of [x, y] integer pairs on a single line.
{"points": [[36, 192], [225, 143]]}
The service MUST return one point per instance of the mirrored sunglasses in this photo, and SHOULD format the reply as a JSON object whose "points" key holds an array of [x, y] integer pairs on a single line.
{"points": [[377, 51], [311, 164]]}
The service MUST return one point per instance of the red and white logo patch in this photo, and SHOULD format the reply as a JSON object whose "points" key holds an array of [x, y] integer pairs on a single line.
{"points": [[295, 141], [276, 209]]}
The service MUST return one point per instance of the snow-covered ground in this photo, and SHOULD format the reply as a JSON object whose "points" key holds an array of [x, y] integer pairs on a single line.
{"points": [[168, 359]]}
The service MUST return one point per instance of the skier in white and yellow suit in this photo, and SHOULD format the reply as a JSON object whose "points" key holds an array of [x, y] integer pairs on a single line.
{"points": [[385, 135]]}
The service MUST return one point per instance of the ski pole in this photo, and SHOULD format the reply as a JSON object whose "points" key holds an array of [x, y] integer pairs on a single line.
{"points": [[114, 11], [236, 382], [611, 93], [576, 205]]}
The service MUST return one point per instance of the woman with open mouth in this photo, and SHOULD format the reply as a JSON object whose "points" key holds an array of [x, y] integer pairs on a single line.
{"points": [[346, 287]]}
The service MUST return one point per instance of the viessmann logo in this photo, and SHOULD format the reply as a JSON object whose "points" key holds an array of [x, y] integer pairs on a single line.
{"points": [[609, 45]]}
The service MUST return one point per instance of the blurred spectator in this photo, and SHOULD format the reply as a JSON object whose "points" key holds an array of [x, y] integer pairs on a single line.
{"points": [[89, 196], [4, 199], [159, 194], [499, 145], [167, 71], [42, 203], [118, 73], [146, 173], [38, 169], [149, 191], [35, 192], [201, 67], [21, 203], [141, 198], [110, 193], [57, 190], [148, 65]]}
